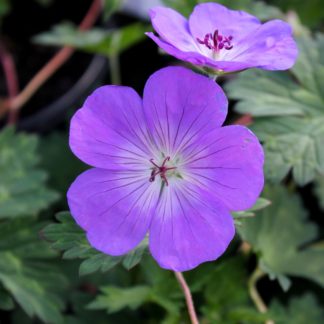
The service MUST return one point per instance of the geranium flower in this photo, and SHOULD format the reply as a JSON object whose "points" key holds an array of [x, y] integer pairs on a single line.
{"points": [[163, 166], [223, 40]]}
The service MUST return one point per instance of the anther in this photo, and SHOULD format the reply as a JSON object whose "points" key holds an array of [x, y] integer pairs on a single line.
{"points": [[216, 42]]}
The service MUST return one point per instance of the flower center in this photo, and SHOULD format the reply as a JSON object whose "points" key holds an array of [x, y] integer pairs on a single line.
{"points": [[216, 41], [160, 170]]}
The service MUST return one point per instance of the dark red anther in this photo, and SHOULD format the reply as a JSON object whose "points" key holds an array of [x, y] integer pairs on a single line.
{"points": [[161, 170], [216, 42]]}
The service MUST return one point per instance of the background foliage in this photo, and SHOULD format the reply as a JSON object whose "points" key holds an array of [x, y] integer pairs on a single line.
{"points": [[48, 271]]}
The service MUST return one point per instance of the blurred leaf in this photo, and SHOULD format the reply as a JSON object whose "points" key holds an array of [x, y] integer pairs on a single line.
{"points": [[301, 310], [110, 7], [226, 295], [97, 41], [26, 270], [258, 8], [260, 204], [319, 190], [311, 12], [183, 6], [114, 298], [290, 142], [155, 286], [55, 153], [280, 234], [22, 185], [67, 236]]}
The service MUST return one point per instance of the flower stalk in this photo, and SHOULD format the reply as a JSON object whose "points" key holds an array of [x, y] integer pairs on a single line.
{"points": [[254, 294], [187, 294], [15, 103], [11, 77]]}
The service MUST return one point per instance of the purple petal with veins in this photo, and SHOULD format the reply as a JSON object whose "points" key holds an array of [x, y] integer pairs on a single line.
{"points": [[224, 40], [163, 166]]}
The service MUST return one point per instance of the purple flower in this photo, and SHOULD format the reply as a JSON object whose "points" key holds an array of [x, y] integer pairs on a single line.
{"points": [[163, 166], [224, 40]]}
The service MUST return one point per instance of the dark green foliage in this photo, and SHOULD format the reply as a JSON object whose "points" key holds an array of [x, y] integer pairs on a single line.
{"points": [[22, 186], [301, 310], [27, 271], [289, 113], [281, 236], [70, 238]]}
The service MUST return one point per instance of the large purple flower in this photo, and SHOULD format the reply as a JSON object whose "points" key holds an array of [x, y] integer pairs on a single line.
{"points": [[224, 40], [163, 166]]}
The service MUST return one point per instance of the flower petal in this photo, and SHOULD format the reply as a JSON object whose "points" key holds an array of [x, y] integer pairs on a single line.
{"points": [[271, 47], [172, 28], [228, 163], [180, 106], [188, 228], [207, 17], [195, 58], [115, 208], [108, 131]]}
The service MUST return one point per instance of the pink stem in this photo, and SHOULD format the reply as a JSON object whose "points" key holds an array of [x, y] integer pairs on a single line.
{"points": [[10, 73], [51, 66], [188, 297]]}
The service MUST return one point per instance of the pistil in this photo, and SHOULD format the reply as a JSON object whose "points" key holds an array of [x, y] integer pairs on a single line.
{"points": [[160, 170]]}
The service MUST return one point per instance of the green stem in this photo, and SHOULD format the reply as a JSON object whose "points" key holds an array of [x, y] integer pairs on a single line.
{"points": [[258, 301], [114, 69]]}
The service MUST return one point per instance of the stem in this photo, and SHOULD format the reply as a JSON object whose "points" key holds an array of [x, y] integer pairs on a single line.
{"points": [[11, 78], [54, 64], [259, 303], [257, 299], [188, 297], [114, 69]]}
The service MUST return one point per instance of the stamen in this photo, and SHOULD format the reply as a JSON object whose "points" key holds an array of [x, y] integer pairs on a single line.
{"points": [[161, 170], [216, 42]]}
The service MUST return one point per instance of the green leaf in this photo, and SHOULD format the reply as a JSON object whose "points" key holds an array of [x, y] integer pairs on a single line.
{"points": [[55, 152], [67, 236], [135, 256], [289, 112], [226, 295], [23, 189], [297, 92], [26, 271], [260, 204], [99, 41], [292, 143], [115, 299], [280, 236], [301, 310], [259, 8], [155, 285], [110, 7]]}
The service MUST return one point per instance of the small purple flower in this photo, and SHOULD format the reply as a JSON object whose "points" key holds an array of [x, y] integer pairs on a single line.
{"points": [[224, 40], [163, 166]]}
